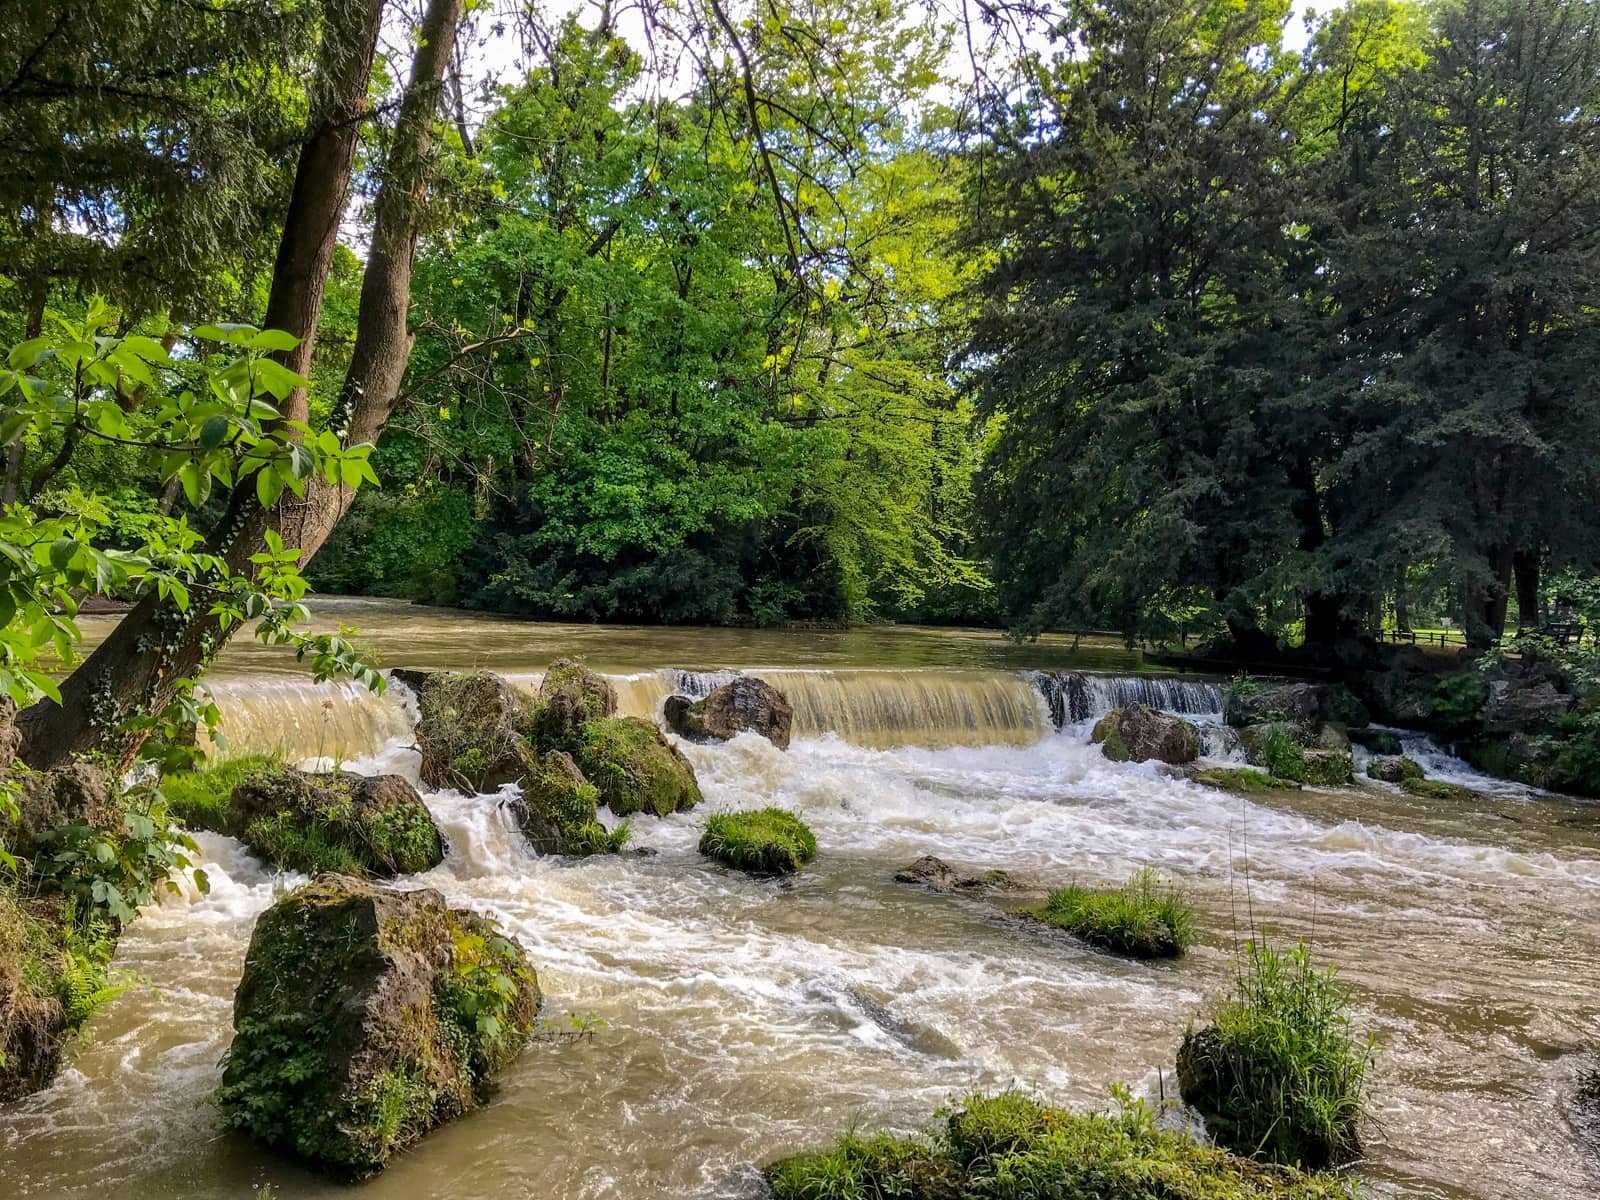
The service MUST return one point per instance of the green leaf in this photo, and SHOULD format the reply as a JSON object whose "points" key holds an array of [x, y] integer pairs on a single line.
{"points": [[274, 377], [212, 432], [269, 486], [274, 339], [196, 483], [62, 552], [224, 332]]}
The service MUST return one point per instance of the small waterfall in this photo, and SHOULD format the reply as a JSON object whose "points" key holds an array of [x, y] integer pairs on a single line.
{"points": [[297, 718], [1073, 696], [917, 708]]}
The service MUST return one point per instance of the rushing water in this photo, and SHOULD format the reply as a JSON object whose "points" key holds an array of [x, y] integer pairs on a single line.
{"points": [[743, 1019]]}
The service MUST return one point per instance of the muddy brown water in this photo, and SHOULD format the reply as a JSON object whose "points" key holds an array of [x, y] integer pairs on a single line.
{"points": [[726, 1021]]}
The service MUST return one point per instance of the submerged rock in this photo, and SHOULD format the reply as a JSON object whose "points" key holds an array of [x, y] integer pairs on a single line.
{"points": [[557, 810], [1243, 781], [1437, 789], [367, 1017], [939, 876], [570, 696], [1137, 734], [635, 768], [745, 704], [472, 731], [1394, 768], [338, 821]]}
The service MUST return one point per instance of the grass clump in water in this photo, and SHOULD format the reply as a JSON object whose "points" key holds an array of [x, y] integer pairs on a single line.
{"points": [[1012, 1147], [1141, 918], [768, 841], [1436, 789], [1244, 781], [203, 799], [1279, 1073]]}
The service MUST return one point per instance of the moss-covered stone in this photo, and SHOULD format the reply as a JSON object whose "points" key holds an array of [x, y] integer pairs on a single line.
{"points": [[1437, 789], [1393, 768], [635, 768], [472, 731], [767, 841], [80, 791], [354, 824], [570, 696], [204, 799], [1138, 733], [1141, 919], [365, 1018], [557, 811], [1244, 781], [1327, 768]]}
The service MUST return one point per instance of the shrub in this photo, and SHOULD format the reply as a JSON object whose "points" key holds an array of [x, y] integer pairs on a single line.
{"points": [[769, 841], [1281, 753], [1012, 1147], [1279, 1074], [1140, 918], [1458, 702]]}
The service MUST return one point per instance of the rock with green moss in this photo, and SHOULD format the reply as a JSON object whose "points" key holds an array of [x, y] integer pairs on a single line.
{"points": [[356, 824], [570, 696], [1393, 768], [1243, 781], [557, 810], [768, 841], [745, 704], [1327, 768], [203, 799], [1138, 733], [365, 1018], [81, 791], [1437, 789], [635, 768], [472, 731], [53, 962]]}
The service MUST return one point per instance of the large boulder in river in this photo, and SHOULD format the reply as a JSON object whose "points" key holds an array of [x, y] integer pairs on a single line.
{"points": [[1523, 700], [1137, 734], [1302, 703], [570, 695], [367, 1017], [745, 704], [471, 731], [337, 821], [1394, 768], [556, 810], [635, 768]]}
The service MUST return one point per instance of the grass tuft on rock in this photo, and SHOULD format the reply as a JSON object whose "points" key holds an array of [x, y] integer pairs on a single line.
{"points": [[1279, 1073], [1012, 1147], [1244, 781], [1141, 919], [768, 841], [1436, 789], [203, 799]]}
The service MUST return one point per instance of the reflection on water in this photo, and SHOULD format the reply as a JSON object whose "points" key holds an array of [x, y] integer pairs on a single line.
{"points": [[745, 1018]]}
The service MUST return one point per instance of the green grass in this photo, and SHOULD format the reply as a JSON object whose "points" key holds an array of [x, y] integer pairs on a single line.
{"points": [[1141, 918], [203, 799], [768, 841], [1244, 781], [1012, 1147], [1436, 789], [1279, 1073]]}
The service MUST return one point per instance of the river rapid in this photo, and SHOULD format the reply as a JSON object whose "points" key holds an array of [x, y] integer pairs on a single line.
{"points": [[726, 1021]]}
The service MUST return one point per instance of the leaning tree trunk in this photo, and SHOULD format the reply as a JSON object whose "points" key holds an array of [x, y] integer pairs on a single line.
{"points": [[140, 667]]}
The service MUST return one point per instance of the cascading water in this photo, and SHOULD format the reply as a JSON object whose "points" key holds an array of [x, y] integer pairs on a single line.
{"points": [[1074, 696], [742, 1019]]}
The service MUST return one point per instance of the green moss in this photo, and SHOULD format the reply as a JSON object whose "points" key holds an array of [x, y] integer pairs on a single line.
{"points": [[1437, 789], [1280, 752], [317, 823], [203, 799], [1394, 768], [1244, 781], [1279, 1073], [635, 768], [471, 731], [768, 841], [557, 811], [1326, 768], [1141, 918], [1109, 738], [1012, 1147]]}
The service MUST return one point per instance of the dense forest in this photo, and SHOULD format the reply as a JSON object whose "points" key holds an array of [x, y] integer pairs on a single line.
{"points": [[1180, 322]]}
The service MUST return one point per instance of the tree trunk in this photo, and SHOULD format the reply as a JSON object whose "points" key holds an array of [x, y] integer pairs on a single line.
{"points": [[1488, 593], [141, 666], [1402, 602], [1525, 567]]}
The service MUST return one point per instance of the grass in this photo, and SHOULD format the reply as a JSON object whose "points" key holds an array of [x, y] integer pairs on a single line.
{"points": [[768, 841], [1012, 1147], [203, 799], [1141, 918], [1279, 1073], [1244, 781], [1436, 789]]}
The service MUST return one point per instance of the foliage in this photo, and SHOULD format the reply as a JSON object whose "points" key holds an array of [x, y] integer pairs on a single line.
{"points": [[1141, 918], [1279, 1073], [766, 841], [1458, 701], [1011, 1146], [54, 960], [336, 822], [202, 798], [558, 811], [1281, 752], [480, 996], [117, 874]]}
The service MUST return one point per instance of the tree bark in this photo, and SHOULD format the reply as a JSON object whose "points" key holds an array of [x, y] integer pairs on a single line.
{"points": [[1525, 567], [140, 667], [1488, 593]]}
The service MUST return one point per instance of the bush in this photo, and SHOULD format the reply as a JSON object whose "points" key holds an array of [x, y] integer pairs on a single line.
{"points": [[1141, 918], [1012, 1147], [1279, 1074], [769, 841], [1281, 753]]}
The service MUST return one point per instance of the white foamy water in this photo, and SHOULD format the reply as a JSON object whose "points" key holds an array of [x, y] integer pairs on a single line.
{"points": [[743, 1019]]}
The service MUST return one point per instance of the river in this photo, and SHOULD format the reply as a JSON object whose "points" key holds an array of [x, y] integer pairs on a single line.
{"points": [[731, 1020]]}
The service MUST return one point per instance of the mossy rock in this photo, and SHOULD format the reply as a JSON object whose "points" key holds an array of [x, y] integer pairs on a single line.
{"points": [[570, 696], [365, 1018], [1394, 768], [635, 768], [80, 791], [203, 799], [557, 811], [1039, 1151], [355, 824], [1138, 733], [1437, 789], [767, 841], [472, 731], [1378, 741], [1244, 781], [1327, 768], [53, 965], [742, 705]]}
